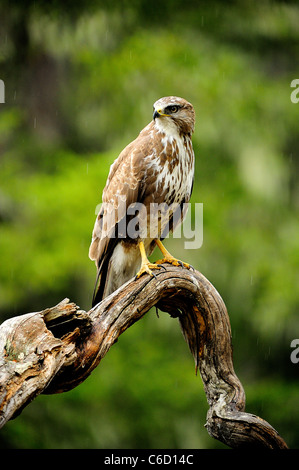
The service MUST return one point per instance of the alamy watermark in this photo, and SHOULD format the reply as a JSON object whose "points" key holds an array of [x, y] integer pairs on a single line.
{"points": [[295, 94], [2, 92], [139, 221], [295, 353]]}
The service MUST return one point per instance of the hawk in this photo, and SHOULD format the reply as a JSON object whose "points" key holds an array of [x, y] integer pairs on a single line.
{"points": [[155, 170]]}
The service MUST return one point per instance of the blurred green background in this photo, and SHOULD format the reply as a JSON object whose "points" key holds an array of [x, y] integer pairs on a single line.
{"points": [[80, 80]]}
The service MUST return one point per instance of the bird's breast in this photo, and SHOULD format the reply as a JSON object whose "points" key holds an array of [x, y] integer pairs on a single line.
{"points": [[168, 183], [175, 169]]}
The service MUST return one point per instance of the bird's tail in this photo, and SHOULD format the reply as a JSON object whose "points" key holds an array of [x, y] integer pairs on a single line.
{"points": [[101, 279]]}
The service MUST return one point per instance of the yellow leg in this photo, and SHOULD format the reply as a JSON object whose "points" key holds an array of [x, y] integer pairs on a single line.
{"points": [[168, 258], [146, 265]]}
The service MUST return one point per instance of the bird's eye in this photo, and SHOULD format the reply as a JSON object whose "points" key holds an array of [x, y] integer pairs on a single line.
{"points": [[171, 109]]}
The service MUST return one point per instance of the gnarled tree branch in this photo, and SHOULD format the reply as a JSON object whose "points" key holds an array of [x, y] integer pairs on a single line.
{"points": [[56, 349]]}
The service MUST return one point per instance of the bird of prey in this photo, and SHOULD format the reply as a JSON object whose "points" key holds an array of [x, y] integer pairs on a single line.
{"points": [[155, 170]]}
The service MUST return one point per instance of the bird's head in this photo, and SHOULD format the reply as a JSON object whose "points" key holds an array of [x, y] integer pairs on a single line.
{"points": [[174, 112]]}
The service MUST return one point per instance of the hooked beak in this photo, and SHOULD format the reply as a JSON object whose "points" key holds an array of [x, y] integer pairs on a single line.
{"points": [[156, 114]]}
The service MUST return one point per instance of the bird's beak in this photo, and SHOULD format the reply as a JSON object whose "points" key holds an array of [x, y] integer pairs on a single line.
{"points": [[156, 114]]}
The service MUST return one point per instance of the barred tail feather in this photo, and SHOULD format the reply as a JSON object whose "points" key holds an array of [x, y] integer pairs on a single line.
{"points": [[101, 280]]}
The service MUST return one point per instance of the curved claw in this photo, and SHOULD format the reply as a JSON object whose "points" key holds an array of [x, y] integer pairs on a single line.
{"points": [[174, 262], [147, 268], [185, 265], [161, 266]]}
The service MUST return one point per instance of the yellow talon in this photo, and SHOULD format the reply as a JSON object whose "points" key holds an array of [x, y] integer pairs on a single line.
{"points": [[146, 265], [168, 258], [147, 268]]}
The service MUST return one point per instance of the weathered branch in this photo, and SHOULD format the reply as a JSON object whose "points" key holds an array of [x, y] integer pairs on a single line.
{"points": [[55, 350]]}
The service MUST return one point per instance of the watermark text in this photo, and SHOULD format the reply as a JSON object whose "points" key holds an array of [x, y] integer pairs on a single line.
{"points": [[295, 93], [295, 353], [2, 92], [139, 221]]}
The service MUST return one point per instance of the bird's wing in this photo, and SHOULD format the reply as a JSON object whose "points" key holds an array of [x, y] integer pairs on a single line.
{"points": [[125, 186]]}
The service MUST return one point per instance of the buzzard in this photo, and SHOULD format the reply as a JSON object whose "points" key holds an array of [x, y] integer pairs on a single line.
{"points": [[156, 170]]}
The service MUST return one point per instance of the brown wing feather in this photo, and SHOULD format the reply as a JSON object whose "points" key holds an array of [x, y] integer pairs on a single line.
{"points": [[124, 187]]}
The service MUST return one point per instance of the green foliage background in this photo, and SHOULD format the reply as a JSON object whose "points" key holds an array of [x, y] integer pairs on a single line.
{"points": [[80, 81]]}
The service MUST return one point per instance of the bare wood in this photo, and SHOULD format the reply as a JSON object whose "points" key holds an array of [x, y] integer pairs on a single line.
{"points": [[56, 349]]}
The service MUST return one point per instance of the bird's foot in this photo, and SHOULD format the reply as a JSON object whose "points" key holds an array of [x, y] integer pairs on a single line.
{"points": [[175, 262], [147, 268], [168, 258]]}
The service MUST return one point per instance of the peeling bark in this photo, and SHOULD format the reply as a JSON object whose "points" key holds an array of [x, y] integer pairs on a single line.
{"points": [[55, 350]]}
